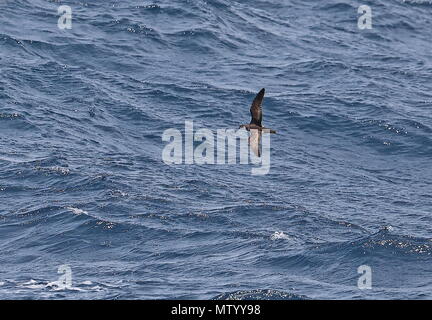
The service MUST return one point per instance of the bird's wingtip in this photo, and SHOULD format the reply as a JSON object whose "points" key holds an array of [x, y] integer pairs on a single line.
{"points": [[261, 93]]}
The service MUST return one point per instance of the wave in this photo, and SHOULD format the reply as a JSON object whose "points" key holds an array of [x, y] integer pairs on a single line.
{"points": [[259, 294]]}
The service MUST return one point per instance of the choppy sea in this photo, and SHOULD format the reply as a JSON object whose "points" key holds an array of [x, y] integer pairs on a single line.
{"points": [[84, 193]]}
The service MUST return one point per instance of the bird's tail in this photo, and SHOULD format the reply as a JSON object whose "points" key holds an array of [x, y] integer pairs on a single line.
{"points": [[267, 130]]}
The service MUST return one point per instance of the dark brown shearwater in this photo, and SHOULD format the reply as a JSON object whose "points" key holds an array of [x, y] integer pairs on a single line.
{"points": [[256, 123]]}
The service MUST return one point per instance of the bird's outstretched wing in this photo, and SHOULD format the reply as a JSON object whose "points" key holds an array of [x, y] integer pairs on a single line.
{"points": [[254, 141], [256, 109]]}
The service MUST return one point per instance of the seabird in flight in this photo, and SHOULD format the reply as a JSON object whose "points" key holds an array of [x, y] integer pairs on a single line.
{"points": [[255, 124]]}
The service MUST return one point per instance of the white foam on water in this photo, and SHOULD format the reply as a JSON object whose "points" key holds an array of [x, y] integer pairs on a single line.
{"points": [[279, 235], [76, 210]]}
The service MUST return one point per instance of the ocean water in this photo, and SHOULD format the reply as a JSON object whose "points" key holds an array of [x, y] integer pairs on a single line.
{"points": [[83, 186]]}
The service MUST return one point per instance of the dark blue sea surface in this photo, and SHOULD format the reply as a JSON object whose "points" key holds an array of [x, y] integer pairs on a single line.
{"points": [[83, 184]]}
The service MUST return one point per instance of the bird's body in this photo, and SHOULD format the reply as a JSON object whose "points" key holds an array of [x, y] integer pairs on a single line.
{"points": [[256, 123], [249, 127]]}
